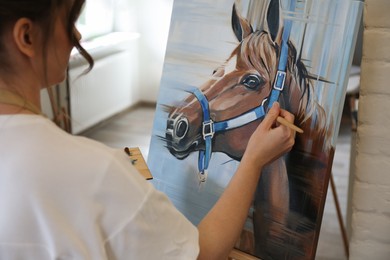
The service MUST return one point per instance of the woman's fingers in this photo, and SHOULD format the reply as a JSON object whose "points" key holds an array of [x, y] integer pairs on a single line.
{"points": [[270, 140], [271, 116], [287, 115]]}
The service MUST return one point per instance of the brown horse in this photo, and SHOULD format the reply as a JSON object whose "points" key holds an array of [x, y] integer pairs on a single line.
{"points": [[289, 202]]}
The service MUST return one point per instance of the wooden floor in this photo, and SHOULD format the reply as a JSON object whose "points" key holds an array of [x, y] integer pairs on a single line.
{"points": [[133, 129]]}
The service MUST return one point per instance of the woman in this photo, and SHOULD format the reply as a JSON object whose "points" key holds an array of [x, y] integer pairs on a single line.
{"points": [[68, 197]]}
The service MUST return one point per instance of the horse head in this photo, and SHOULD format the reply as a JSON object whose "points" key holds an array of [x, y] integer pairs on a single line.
{"points": [[243, 83]]}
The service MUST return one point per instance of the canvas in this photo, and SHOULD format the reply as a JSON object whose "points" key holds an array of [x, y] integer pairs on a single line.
{"points": [[226, 63]]}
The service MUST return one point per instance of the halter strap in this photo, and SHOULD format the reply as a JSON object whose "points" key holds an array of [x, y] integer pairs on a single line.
{"points": [[209, 128], [10, 98], [280, 78], [207, 133]]}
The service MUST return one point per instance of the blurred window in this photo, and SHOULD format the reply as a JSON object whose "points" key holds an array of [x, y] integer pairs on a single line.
{"points": [[96, 19]]}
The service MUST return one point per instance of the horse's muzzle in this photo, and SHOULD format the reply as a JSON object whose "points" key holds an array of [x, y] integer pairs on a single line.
{"points": [[179, 143]]}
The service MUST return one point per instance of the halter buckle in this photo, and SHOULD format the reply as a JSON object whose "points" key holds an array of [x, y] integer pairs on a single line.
{"points": [[208, 129], [280, 77]]}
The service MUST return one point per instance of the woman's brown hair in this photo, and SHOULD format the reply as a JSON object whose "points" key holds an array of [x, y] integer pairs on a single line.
{"points": [[43, 12]]}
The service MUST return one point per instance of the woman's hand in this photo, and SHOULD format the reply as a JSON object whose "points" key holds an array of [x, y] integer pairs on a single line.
{"points": [[219, 230], [271, 139]]}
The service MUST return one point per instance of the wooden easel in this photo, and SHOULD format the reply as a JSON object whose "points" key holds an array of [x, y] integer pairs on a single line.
{"points": [[339, 216], [239, 255], [138, 162], [60, 114]]}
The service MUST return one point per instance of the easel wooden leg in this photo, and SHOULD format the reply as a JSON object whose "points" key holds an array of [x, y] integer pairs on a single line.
{"points": [[339, 216], [239, 255], [60, 116]]}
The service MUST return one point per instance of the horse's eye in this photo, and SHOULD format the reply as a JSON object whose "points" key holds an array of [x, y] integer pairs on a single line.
{"points": [[252, 81]]}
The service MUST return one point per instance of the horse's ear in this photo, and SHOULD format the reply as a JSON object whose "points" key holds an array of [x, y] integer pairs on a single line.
{"points": [[273, 20], [241, 26]]}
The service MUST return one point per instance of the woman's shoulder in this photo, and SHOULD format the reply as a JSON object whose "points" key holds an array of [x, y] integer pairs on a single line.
{"points": [[95, 155], [48, 132], [74, 156]]}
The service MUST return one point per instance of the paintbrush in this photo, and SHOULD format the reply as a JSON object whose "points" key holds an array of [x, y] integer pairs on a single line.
{"points": [[283, 121]]}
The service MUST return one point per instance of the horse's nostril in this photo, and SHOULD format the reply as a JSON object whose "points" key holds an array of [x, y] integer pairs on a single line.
{"points": [[181, 128]]}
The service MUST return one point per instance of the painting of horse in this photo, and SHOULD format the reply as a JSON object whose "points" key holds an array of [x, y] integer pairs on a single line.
{"points": [[288, 202], [219, 115]]}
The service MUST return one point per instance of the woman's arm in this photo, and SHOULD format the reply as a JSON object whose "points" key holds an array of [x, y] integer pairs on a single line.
{"points": [[221, 227]]}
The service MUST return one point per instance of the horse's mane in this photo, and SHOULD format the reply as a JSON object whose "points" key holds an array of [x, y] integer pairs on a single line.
{"points": [[261, 53]]}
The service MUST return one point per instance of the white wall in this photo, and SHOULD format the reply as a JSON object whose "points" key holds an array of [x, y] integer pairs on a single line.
{"points": [[154, 27], [371, 188], [151, 18], [107, 89]]}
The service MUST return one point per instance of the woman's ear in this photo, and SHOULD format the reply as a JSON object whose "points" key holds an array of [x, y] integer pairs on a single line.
{"points": [[24, 36]]}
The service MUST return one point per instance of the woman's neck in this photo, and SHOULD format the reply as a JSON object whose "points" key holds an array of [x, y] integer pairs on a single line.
{"points": [[15, 100]]}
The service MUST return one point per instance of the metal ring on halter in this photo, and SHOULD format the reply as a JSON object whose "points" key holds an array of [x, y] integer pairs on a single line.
{"points": [[202, 176]]}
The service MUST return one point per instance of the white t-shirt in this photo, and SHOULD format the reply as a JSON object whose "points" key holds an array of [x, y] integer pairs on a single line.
{"points": [[68, 197]]}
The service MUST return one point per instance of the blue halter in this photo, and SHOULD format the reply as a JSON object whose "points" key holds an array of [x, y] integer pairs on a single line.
{"points": [[209, 127]]}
